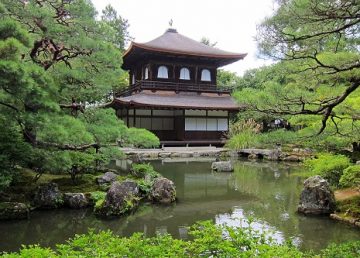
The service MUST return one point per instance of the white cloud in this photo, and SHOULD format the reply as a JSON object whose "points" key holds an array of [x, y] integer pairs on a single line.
{"points": [[230, 23]]}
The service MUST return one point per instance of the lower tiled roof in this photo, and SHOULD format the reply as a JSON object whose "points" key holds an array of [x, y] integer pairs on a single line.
{"points": [[182, 100]]}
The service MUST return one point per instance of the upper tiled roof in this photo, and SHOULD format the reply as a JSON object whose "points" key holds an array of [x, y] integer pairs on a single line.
{"points": [[175, 43]]}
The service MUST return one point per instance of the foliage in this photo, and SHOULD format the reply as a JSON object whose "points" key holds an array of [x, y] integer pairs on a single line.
{"points": [[242, 140], [349, 207], [226, 79], [120, 36], [248, 134], [207, 42], [350, 249], [329, 166], [141, 170], [13, 151], [209, 240], [350, 177], [315, 83], [59, 67], [140, 138]]}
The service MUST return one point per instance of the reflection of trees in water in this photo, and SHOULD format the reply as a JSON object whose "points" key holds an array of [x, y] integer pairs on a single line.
{"points": [[266, 190], [276, 190]]}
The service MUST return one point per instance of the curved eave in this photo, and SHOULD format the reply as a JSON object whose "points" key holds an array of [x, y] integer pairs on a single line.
{"points": [[171, 100], [142, 105], [231, 57]]}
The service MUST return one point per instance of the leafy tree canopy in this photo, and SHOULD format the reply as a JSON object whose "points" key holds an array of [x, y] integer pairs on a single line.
{"points": [[315, 84], [58, 68]]}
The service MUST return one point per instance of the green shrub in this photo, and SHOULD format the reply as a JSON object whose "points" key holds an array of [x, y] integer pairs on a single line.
{"points": [[208, 240], [350, 176], [145, 186], [33, 251], [329, 166], [344, 250], [140, 170], [350, 206], [250, 139], [97, 195], [140, 138], [245, 139]]}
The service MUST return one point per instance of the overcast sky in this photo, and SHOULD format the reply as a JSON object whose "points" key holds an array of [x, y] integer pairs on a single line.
{"points": [[230, 23]]}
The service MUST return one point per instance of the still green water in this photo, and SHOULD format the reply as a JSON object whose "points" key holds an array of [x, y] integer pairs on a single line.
{"points": [[266, 191]]}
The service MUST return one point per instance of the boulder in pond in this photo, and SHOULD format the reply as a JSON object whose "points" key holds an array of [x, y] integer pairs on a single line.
{"points": [[122, 197], [222, 166], [163, 191], [48, 196], [76, 200], [13, 210], [106, 178], [316, 197]]}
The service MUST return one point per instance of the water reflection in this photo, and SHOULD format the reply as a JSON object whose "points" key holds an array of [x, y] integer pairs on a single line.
{"points": [[267, 191]]}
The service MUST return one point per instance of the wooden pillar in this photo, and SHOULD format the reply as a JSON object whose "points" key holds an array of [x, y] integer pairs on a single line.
{"points": [[127, 117], [174, 73], [215, 76], [151, 66], [151, 119], [228, 120], [196, 74], [134, 118]]}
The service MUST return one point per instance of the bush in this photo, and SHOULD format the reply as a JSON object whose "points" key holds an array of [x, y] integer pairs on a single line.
{"points": [[349, 206], [140, 138], [350, 177], [245, 139], [329, 166], [248, 138], [140, 170], [208, 240], [350, 249]]}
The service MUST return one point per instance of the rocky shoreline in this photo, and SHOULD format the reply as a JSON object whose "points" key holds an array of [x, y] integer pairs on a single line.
{"points": [[117, 196], [295, 155]]}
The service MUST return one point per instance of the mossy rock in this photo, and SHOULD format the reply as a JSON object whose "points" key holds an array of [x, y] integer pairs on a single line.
{"points": [[13, 210], [121, 198], [48, 196]]}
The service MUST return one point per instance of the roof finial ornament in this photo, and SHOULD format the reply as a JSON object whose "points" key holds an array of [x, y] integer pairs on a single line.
{"points": [[171, 23]]}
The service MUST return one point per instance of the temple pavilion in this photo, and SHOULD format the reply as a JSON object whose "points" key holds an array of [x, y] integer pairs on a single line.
{"points": [[173, 90]]}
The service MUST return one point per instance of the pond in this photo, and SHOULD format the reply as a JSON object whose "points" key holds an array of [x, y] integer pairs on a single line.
{"points": [[268, 192]]}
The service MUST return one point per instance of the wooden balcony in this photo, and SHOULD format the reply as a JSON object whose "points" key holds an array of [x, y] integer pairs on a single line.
{"points": [[173, 86]]}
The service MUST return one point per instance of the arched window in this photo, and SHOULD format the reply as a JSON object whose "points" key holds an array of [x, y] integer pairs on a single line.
{"points": [[163, 72], [146, 73], [205, 75], [184, 74]]}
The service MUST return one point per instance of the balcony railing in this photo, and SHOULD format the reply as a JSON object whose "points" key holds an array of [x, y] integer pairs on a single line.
{"points": [[174, 86]]}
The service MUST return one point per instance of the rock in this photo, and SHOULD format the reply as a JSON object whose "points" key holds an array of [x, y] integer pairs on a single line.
{"points": [[222, 166], [316, 197], [163, 155], [76, 200], [48, 196], [121, 198], [292, 158], [252, 156], [163, 191], [357, 162], [273, 154], [13, 210], [107, 178]]}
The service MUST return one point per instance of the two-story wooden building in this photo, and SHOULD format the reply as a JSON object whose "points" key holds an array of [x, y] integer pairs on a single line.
{"points": [[173, 90]]}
